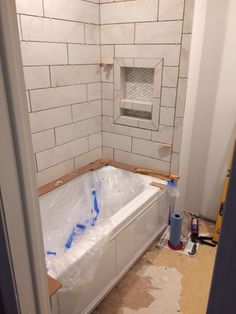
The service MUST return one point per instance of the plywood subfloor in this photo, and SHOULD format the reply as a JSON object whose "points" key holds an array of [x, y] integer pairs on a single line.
{"points": [[165, 281]]}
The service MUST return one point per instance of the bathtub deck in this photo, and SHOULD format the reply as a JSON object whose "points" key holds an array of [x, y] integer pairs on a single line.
{"points": [[185, 286]]}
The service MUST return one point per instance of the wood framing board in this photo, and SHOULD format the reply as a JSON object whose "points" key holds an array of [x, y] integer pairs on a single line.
{"points": [[99, 164]]}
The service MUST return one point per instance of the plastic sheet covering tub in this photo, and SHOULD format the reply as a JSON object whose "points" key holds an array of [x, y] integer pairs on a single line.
{"points": [[76, 221]]}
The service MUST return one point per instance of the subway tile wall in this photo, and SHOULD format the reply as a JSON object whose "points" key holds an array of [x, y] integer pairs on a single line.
{"points": [[60, 43], [147, 29], [70, 97]]}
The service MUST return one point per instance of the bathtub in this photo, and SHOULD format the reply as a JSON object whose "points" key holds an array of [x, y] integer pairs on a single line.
{"points": [[132, 214]]}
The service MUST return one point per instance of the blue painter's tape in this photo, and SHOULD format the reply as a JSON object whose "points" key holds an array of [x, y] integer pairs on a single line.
{"points": [[51, 253]]}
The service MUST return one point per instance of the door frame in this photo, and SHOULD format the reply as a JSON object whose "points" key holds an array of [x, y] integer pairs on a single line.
{"points": [[222, 294], [20, 206]]}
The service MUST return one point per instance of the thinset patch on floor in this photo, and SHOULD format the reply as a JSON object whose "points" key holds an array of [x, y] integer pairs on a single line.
{"points": [[147, 289], [165, 290]]}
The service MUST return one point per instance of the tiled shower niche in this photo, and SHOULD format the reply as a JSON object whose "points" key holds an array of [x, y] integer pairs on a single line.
{"points": [[137, 92]]}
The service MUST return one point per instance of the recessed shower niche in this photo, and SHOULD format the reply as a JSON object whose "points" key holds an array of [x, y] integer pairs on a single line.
{"points": [[137, 89]]}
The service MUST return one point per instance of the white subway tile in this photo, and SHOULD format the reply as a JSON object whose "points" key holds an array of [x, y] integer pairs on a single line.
{"points": [[107, 73], [174, 167], [55, 172], [168, 97], [58, 96], [129, 11], [28, 101], [107, 91], [184, 58], [151, 149], [117, 34], [158, 33], [36, 77], [48, 119], [44, 29], [75, 10], [163, 135], [170, 53], [178, 130], [167, 116], [107, 107], [181, 97], [117, 141], [83, 54], [34, 7], [94, 91], [171, 9], [107, 54], [107, 152], [34, 53], [61, 153], [86, 110], [170, 76], [43, 140], [74, 74], [188, 16], [88, 157], [142, 161], [109, 126], [94, 1], [106, 1], [95, 140], [77, 130], [19, 26], [92, 35]]}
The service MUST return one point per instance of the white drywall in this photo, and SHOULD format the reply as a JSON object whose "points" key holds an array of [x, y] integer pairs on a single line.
{"points": [[209, 127]]}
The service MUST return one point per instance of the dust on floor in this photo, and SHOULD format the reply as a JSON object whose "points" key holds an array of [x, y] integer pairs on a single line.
{"points": [[165, 281]]}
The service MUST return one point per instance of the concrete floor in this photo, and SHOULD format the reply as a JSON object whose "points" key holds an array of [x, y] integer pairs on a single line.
{"points": [[165, 281]]}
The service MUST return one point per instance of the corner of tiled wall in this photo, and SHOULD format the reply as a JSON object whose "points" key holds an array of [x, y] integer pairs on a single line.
{"points": [[147, 29], [70, 97]]}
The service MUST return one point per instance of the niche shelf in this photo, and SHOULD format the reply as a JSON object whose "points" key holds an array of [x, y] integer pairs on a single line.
{"points": [[137, 89]]}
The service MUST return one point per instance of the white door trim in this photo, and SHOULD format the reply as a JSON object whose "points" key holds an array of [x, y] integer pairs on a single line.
{"points": [[17, 174]]}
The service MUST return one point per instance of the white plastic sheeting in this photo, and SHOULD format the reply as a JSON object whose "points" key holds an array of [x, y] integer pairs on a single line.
{"points": [[76, 221]]}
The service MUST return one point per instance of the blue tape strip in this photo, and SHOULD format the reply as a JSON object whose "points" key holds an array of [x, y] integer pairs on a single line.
{"points": [[80, 228], [51, 253], [77, 230], [95, 203]]}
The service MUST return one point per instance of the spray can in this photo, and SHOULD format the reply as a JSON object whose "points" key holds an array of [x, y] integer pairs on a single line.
{"points": [[194, 229]]}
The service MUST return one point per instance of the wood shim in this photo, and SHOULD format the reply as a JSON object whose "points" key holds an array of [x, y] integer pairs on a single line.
{"points": [[53, 285], [99, 164], [158, 185]]}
